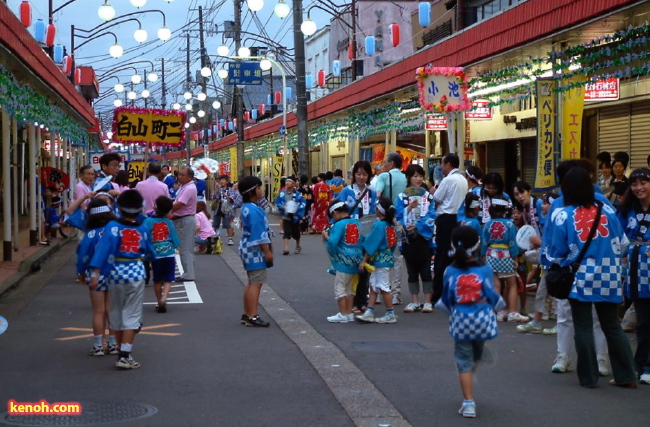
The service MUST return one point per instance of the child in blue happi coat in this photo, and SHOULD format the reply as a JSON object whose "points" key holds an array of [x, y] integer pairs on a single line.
{"points": [[344, 242], [471, 300], [99, 214], [119, 256]]}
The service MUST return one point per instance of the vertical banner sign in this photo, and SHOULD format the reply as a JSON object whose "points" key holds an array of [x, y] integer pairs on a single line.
{"points": [[546, 110], [233, 165], [277, 174], [136, 170], [573, 102]]}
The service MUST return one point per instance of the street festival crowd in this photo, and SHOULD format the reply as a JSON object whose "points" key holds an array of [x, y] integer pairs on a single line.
{"points": [[470, 248]]}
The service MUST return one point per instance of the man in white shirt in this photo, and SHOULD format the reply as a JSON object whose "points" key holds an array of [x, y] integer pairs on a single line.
{"points": [[448, 197]]}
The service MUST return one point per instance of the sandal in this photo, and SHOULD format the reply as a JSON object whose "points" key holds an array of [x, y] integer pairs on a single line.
{"points": [[285, 253], [297, 251], [356, 310], [628, 385]]}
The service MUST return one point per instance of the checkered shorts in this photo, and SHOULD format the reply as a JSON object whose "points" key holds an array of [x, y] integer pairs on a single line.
{"points": [[474, 326], [126, 272]]}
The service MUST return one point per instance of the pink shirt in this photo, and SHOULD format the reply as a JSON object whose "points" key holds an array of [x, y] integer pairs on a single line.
{"points": [[80, 190], [151, 188], [205, 227], [187, 195]]}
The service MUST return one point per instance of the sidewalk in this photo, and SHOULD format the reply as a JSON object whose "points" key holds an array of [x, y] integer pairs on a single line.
{"points": [[25, 259]]}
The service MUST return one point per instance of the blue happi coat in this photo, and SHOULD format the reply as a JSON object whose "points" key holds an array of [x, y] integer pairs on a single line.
{"points": [[499, 238], [255, 232], [469, 297], [639, 252], [86, 251], [424, 219], [281, 203], [380, 244], [344, 245], [598, 278]]}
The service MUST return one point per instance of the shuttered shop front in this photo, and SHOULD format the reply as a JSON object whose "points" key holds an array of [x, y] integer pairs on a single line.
{"points": [[626, 128], [496, 157]]}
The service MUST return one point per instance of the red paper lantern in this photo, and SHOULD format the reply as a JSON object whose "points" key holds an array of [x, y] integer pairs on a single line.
{"points": [[247, 116], [393, 30], [350, 52], [77, 76], [67, 65], [278, 97], [261, 109], [50, 34], [234, 122], [321, 78], [26, 14]]}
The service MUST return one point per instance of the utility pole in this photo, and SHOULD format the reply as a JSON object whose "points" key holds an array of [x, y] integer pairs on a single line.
{"points": [[204, 63], [163, 99], [301, 90], [188, 82], [239, 102]]}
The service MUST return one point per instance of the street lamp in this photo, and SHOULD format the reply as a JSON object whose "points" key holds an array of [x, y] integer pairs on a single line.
{"points": [[281, 9], [106, 12]]}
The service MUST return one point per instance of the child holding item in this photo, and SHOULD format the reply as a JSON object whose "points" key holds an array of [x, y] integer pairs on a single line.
{"points": [[343, 242], [379, 247], [471, 300], [472, 207]]}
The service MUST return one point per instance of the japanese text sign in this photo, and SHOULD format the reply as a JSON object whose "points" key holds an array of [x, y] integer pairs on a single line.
{"points": [[435, 122], [244, 73], [573, 103], [136, 170], [546, 111], [148, 126], [54, 179], [442, 89], [602, 90], [480, 110]]}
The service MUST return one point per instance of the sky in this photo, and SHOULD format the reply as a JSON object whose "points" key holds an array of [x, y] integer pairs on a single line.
{"points": [[181, 18]]}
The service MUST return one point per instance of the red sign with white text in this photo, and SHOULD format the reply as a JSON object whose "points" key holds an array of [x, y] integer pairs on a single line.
{"points": [[435, 122], [479, 111], [603, 90]]}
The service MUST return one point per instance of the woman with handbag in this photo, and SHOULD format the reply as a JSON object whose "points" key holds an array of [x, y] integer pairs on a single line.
{"points": [[585, 223], [635, 218]]}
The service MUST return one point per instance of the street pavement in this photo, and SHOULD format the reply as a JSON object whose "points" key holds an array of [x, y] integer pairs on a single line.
{"points": [[200, 366]]}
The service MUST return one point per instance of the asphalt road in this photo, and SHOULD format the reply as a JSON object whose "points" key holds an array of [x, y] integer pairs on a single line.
{"points": [[200, 366]]}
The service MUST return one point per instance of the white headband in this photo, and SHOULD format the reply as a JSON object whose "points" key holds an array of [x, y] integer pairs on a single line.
{"points": [[130, 210], [469, 251], [500, 202], [474, 204], [335, 206], [100, 209], [472, 177], [380, 208]]}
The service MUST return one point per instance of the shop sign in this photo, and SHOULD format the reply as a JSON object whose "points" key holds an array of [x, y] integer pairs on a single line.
{"points": [[148, 126], [96, 155], [546, 112], [480, 111], [603, 90], [436, 122]]}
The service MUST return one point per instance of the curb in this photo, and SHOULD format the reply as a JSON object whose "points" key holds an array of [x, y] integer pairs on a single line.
{"points": [[33, 264]]}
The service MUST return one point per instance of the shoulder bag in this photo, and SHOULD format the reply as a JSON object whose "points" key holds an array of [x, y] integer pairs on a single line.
{"points": [[559, 280]]}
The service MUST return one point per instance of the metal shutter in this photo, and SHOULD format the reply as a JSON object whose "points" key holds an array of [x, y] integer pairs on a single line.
{"points": [[529, 160], [640, 135], [496, 157], [614, 129]]}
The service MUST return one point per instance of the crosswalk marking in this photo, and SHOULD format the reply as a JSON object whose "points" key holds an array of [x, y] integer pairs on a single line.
{"points": [[190, 290]]}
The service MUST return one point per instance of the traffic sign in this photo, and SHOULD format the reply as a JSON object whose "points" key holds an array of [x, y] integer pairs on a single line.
{"points": [[283, 130], [244, 73]]}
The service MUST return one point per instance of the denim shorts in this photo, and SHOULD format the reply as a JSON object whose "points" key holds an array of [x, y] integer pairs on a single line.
{"points": [[467, 354]]}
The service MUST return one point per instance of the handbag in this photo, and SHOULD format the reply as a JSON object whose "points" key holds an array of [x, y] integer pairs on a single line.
{"points": [[559, 280]]}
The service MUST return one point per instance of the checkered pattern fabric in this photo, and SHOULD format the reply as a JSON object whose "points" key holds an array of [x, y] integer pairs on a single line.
{"points": [[480, 325], [599, 279], [501, 265], [250, 255], [126, 272]]}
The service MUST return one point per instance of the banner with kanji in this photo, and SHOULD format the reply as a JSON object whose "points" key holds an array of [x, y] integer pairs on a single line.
{"points": [[147, 126], [546, 111], [54, 179], [573, 102], [442, 89], [233, 165]]}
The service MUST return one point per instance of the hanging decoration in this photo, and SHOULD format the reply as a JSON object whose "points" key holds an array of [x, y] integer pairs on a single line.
{"points": [[58, 53], [321, 78], [287, 93], [309, 81], [261, 109], [268, 99], [50, 35], [67, 65], [234, 123], [26, 14], [278, 98], [147, 126], [370, 45], [336, 68], [393, 32], [350, 51], [247, 116], [254, 114], [442, 89], [424, 14], [39, 31]]}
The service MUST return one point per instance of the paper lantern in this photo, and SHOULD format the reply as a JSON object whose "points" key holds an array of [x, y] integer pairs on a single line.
{"points": [[219, 126], [26, 14], [58, 53], [77, 77], [247, 116], [254, 114], [321, 78], [223, 123], [287, 93], [350, 52], [39, 31], [308, 81], [67, 65], [370, 45], [336, 68], [234, 122], [424, 14], [261, 109], [50, 34], [268, 99], [230, 126], [278, 97], [393, 31]]}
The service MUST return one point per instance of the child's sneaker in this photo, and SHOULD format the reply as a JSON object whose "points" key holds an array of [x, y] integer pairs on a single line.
{"points": [[645, 379], [367, 317], [331, 271], [230, 241], [502, 316], [386, 318], [97, 350], [412, 307], [244, 319], [112, 349], [517, 317], [427, 307], [530, 327], [603, 369], [468, 410], [127, 363], [338, 318], [256, 321], [550, 331]]}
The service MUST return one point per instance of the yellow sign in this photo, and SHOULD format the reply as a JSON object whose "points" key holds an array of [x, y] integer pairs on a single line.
{"points": [[277, 174], [546, 111], [136, 171], [233, 165], [148, 126], [572, 105]]}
